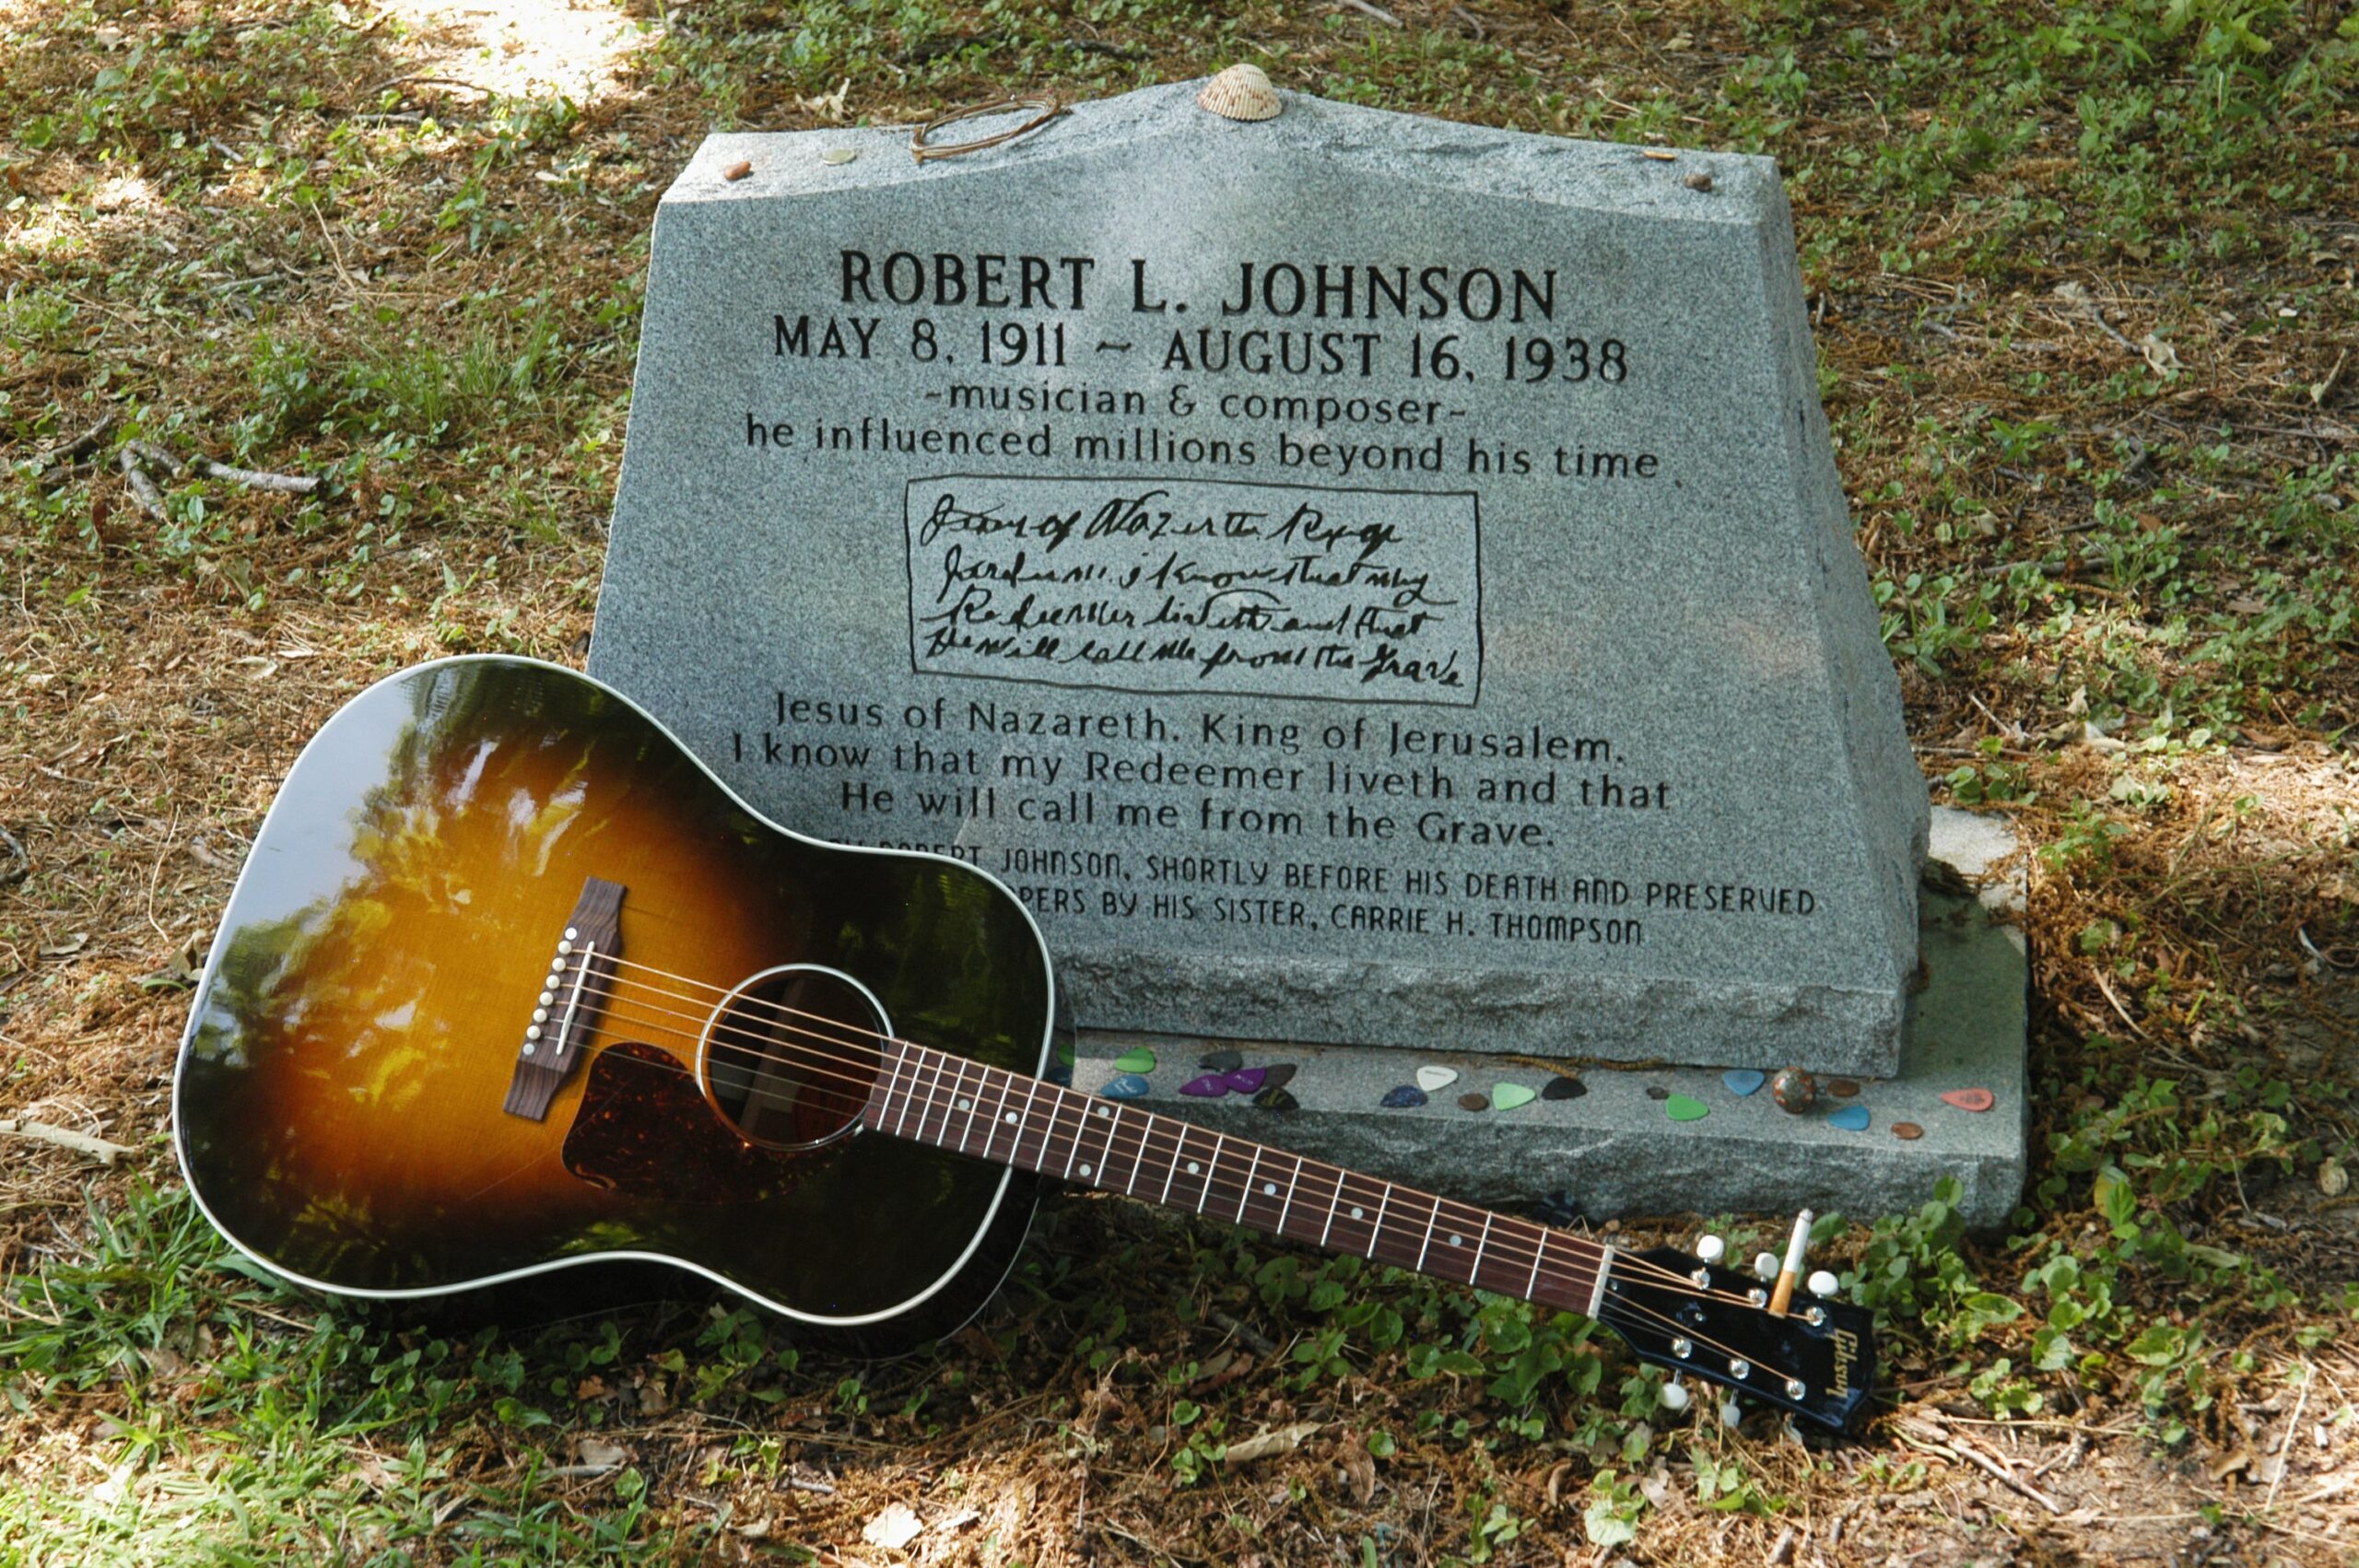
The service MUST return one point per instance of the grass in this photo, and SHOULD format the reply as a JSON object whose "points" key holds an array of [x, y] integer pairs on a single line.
{"points": [[2086, 283]]}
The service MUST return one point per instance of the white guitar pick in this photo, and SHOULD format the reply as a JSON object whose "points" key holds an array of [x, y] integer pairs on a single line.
{"points": [[1432, 1078]]}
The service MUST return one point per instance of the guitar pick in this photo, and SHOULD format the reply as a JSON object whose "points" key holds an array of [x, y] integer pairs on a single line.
{"points": [[1851, 1118], [1129, 1087], [1432, 1078], [1685, 1108], [1064, 1053], [1743, 1081], [1507, 1097], [1473, 1102], [1405, 1096], [1279, 1072], [1062, 1075], [1211, 1086], [1139, 1061], [1907, 1131], [1564, 1087], [1277, 1100], [1221, 1061], [1246, 1080], [1969, 1099]]}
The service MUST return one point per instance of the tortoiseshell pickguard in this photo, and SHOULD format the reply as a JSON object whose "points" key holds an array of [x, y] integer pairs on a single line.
{"points": [[645, 1131]]}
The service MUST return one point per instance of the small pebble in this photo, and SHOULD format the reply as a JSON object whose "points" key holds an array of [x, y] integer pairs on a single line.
{"points": [[1844, 1088], [1474, 1102], [2333, 1180], [739, 170], [838, 155], [1794, 1089], [1699, 182], [1657, 1091]]}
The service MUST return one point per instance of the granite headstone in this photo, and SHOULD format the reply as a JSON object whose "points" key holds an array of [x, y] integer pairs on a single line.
{"points": [[1360, 578]]}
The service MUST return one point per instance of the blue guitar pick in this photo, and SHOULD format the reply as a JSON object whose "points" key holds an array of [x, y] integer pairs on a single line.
{"points": [[1743, 1081], [1129, 1087], [1851, 1118]]}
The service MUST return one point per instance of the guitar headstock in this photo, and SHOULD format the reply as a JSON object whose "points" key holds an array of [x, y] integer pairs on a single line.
{"points": [[1817, 1361]]}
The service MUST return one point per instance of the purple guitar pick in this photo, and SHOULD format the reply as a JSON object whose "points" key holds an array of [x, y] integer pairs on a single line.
{"points": [[1211, 1086], [1246, 1080]]}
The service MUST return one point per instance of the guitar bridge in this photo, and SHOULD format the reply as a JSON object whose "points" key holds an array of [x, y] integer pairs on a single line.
{"points": [[571, 999]]}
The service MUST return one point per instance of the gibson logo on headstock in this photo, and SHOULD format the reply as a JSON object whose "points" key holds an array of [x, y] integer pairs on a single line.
{"points": [[1846, 1350]]}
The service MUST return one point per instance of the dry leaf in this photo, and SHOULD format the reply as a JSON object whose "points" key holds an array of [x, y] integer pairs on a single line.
{"points": [[600, 1454], [1280, 1440], [2160, 357], [1359, 1465], [892, 1529]]}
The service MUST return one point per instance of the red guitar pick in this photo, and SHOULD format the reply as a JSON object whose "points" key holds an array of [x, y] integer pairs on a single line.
{"points": [[1969, 1099]]}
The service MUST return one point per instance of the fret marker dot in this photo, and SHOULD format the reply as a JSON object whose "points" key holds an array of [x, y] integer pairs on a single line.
{"points": [[966, 1105], [1456, 1241], [1085, 1170], [1105, 1111], [1359, 1214], [1194, 1169], [1268, 1189], [1011, 1118]]}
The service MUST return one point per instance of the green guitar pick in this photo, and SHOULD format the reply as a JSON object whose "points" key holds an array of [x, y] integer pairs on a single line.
{"points": [[1139, 1061], [1684, 1107], [1507, 1097]]}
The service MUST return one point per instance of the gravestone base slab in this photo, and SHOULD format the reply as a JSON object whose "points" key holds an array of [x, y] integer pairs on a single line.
{"points": [[1615, 1151]]}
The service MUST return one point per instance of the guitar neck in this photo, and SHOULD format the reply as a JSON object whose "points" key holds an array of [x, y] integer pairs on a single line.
{"points": [[933, 1097]]}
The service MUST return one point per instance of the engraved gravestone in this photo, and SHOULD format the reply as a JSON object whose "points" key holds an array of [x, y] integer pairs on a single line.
{"points": [[1360, 578]]}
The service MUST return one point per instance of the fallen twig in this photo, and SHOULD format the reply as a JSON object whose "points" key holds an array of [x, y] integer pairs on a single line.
{"points": [[254, 479], [98, 1149], [1379, 12], [81, 445], [143, 490], [23, 867], [156, 457]]}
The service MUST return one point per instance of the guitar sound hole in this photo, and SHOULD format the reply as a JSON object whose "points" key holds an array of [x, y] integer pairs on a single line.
{"points": [[790, 1055]]}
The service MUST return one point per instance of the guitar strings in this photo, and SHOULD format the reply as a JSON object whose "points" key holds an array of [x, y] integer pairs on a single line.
{"points": [[866, 1075], [1514, 1248]]}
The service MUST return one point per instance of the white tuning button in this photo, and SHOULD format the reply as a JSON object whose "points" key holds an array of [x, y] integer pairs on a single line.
{"points": [[1674, 1396], [1765, 1265], [1731, 1411], [1711, 1249], [1822, 1283]]}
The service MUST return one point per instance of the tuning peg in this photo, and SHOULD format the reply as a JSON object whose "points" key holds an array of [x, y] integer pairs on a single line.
{"points": [[1731, 1411], [1822, 1283], [1674, 1396], [1765, 1265], [1711, 1248]]}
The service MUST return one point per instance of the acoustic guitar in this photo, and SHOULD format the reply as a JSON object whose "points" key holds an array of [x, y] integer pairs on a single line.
{"points": [[510, 982]]}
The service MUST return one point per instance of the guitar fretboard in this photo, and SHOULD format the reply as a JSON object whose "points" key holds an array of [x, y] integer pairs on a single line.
{"points": [[950, 1103]]}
